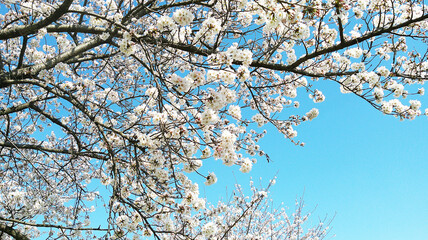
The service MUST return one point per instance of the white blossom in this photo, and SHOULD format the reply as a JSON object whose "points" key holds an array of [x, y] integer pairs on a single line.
{"points": [[183, 17], [211, 179], [246, 165], [313, 113]]}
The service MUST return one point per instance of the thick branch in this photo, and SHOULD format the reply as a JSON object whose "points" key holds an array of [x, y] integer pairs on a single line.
{"points": [[13, 232], [31, 72], [50, 226], [40, 147], [262, 64], [292, 67], [82, 58], [282, 67], [23, 106], [24, 30], [22, 53], [339, 20], [77, 29]]}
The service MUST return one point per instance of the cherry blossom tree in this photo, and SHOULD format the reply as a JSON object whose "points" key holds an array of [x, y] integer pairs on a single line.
{"points": [[135, 95]]}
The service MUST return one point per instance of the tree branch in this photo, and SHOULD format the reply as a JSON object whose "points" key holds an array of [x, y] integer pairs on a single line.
{"points": [[13, 232], [39, 147], [50, 226], [7, 79], [57, 122], [22, 53], [13, 109], [23, 30], [77, 29], [357, 40], [339, 20]]}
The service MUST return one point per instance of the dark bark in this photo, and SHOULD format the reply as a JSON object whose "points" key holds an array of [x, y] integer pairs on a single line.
{"points": [[13, 232]]}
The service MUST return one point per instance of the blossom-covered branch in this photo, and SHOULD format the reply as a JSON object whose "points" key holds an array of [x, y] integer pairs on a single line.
{"points": [[111, 106]]}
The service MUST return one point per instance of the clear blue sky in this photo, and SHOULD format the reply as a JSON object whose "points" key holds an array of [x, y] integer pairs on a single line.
{"points": [[366, 168]]}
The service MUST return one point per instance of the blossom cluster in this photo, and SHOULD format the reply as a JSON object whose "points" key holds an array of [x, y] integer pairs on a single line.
{"points": [[209, 30], [183, 17]]}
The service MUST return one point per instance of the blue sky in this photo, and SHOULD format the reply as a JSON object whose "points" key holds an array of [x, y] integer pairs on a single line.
{"points": [[366, 169]]}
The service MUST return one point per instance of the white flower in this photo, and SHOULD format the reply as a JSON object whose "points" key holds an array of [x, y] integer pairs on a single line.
{"points": [[415, 104], [259, 119], [227, 137], [183, 17], [105, 36], [158, 117], [358, 66], [235, 111], [378, 94], [122, 221], [363, 4], [112, 95], [290, 133], [243, 73], [227, 77], [198, 78], [246, 165], [140, 109], [211, 179], [209, 117], [372, 78], [117, 207], [386, 107], [126, 47], [125, 192], [302, 31], [291, 56], [95, 21], [99, 119], [317, 97], [354, 52], [165, 23], [206, 152], [245, 18], [313, 113], [209, 229], [209, 29], [296, 104], [10, 1], [192, 166], [245, 56], [383, 71], [398, 89], [198, 204]]}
